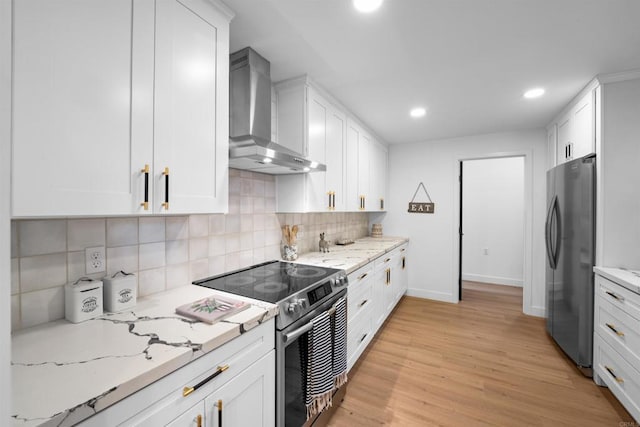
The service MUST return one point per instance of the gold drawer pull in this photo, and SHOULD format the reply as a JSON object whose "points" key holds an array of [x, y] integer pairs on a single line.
{"points": [[219, 405], [615, 377], [362, 276], [145, 203], [199, 421], [363, 303], [188, 390], [615, 296], [165, 173], [613, 328]]}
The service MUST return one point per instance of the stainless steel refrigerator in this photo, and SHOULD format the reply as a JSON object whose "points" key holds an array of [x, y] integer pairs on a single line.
{"points": [[570, 244]]}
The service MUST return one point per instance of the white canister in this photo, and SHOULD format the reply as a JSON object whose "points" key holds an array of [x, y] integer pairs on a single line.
{"points": [[120, 291], [83, 300]]}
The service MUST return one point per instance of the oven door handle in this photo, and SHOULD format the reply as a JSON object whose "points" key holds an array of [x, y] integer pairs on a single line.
{"points": [[295, 334]]}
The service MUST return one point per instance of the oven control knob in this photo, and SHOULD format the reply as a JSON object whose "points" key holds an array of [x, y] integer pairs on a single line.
{"points": [[296, 305], [339, 281]]}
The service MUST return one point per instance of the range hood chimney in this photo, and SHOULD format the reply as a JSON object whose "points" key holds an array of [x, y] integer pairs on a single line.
{"points": [[250, 145]]}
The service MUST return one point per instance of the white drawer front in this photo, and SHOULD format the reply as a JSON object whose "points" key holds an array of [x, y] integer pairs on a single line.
{"points": [[623, 380], [359, 299], [618, 329], [384, 261], [627, 301], [359, 334]]}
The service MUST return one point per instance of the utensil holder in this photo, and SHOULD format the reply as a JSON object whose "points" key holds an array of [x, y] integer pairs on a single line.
{"points": [[290, 252]]}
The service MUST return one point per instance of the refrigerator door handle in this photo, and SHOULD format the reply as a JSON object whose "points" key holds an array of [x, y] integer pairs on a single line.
{"points": [[547, 232], [558, 231]]}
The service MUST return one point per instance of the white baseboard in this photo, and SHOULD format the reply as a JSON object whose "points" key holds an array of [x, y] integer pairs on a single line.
{"points": [[492, 279], [536, 311], [434, 295]]}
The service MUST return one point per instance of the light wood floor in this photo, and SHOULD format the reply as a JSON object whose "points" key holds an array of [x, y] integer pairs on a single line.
{"points": [[477, 363]]}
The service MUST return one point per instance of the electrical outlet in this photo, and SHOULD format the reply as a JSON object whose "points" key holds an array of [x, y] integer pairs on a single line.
{"points": [[95, 259]]}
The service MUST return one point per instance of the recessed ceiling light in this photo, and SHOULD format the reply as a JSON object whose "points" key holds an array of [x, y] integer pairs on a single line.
{"points": [[366, 6], [267, 160], [534, 93], [418, 112]]}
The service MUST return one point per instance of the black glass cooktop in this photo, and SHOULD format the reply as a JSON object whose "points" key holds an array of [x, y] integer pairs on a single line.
{"points": [[271, 281]]}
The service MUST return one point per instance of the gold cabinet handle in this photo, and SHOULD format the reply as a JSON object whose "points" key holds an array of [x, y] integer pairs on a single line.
{"points": [[404, 262], [614, 296], [381, 204], [363, 275], [199, 421], [145, 171], [615, 377], [165, 173], [613, 328], [363, 337], [188, 390], [363, 303], [219, 405]]}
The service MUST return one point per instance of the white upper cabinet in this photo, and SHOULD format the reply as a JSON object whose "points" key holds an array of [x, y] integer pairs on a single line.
{"points": [[79, 82], [320, 137], [377, 177], [312, 125], [89, 116], [353, 200], [576, 128], [191, 126], [366, 176], [552, 143]]}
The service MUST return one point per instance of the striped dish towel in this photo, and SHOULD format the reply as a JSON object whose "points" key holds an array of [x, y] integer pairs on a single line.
{"points": [[340, 344], [319, 379]]}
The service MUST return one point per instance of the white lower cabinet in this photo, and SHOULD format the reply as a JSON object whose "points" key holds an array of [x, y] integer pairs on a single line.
{"points": [[247, 399], [359, 312], [238, 388], [616, 346], [373, 292]]}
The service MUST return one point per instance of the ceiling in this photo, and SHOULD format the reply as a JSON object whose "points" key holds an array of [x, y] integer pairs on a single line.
{"points": [[468, 62]]}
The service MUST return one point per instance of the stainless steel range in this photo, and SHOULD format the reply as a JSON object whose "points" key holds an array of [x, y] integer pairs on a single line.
{"points": [[302, 293]]}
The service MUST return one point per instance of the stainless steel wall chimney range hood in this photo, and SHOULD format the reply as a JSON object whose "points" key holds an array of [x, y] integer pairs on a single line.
{"points": [[250, 145]]}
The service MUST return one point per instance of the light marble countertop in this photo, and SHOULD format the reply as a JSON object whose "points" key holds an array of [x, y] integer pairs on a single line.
{"points": [[61, 369], [352, 257], [629, 279]]}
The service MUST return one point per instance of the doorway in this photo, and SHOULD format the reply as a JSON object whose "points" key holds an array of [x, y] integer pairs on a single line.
{"points": [[492, 225]]}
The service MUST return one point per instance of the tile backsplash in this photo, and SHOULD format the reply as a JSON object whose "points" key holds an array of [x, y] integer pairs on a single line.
{"points": [[163, 251]]}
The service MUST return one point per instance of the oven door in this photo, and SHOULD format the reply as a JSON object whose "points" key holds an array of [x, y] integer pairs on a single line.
{"points": [[290, 403]]}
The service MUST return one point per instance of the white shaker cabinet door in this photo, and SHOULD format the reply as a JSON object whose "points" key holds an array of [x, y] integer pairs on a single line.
{"points": [[317, 114], [353, 201], [81, 77], [191, 108], [246, 400], [335, 157]]}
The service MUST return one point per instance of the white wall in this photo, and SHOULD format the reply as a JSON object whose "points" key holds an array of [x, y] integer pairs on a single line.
{"points": [[434, 238], [620, 175], [493, 221], [5, 168]]}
